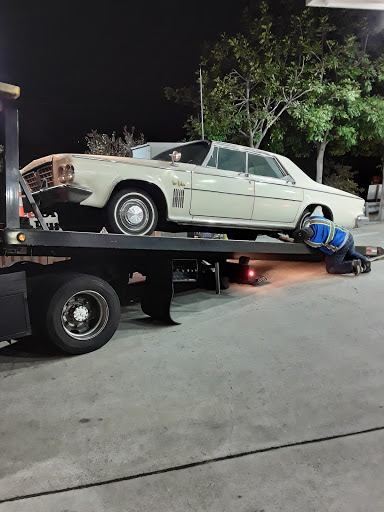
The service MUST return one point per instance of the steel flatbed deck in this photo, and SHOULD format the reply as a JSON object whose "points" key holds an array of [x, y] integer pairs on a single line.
{"points": [[61, 243]]}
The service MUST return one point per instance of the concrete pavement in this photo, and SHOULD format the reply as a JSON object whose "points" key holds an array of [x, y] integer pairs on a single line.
{"points": [[335, 476], [296, 360]]}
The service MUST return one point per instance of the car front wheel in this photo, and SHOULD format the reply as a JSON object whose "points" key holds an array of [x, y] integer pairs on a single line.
{"points": [[132, 212]]}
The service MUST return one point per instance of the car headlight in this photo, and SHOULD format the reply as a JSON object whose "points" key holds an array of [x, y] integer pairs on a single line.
{"points": [[66, 174]]}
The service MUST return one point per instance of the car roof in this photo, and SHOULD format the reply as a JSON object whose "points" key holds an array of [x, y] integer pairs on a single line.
{"points": [[229, 145]]}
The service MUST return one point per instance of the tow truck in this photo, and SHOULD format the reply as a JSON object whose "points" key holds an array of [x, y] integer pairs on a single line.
{"points": [[76, 303]]}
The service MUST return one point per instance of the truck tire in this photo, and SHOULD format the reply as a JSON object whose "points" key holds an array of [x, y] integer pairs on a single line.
{"points": [[132, 212], [78, 313]]}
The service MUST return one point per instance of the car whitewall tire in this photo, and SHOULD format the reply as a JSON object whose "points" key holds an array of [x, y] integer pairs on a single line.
{"points": [[132, 212]]}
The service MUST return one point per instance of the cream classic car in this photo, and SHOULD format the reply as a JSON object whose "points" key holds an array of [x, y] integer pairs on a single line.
{"points": [[198, 186]]}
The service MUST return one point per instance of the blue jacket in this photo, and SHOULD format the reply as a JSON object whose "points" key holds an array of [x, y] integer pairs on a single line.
{"points": [[328, 237]]}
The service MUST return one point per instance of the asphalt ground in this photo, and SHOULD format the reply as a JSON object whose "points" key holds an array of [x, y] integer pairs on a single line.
{"points": [[266, 398]]}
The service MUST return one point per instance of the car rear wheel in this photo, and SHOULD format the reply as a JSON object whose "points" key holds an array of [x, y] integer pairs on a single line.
{"points": [[304, 221], [132, 212]]}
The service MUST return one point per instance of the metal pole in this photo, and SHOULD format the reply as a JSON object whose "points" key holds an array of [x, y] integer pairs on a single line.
{"points": [[201, 104], [217, 277], [12, 173]]}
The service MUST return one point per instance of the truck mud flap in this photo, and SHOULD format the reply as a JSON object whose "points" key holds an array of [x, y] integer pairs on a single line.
{"points": [[14, 314], [157, 298]]}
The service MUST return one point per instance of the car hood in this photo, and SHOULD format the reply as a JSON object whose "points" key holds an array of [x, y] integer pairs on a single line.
{"points": [[116, 159], [37, 163]]}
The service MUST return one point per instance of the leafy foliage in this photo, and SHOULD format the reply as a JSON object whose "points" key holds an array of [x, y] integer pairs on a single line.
{"points": [[372, 133], [341, 177], [103, 144], [293, 79], [331, 113], [250, 80]]}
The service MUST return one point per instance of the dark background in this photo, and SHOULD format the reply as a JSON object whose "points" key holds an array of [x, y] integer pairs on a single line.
{"points": [[84, 66]]}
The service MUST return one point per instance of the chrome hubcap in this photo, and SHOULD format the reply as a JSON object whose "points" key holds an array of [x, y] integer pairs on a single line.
{"points": [[135, 214], [305, 221], [132, 215], [85, 315]]}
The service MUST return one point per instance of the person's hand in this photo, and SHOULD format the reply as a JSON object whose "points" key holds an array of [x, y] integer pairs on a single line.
{"points": [[286, 238], [274, 234]]}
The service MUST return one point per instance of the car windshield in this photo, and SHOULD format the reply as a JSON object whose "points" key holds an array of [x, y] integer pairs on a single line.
{"points": [[193, 153]]}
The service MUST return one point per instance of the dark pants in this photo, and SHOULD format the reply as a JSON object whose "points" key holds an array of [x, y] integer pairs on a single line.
{"points": [[340, 262]]}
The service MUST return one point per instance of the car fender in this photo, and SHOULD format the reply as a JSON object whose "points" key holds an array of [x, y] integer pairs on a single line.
{"points": [[103, 175], [345, 207]]}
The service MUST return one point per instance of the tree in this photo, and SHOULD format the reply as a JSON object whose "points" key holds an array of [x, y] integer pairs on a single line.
{"points": [[103, 144], [372, 134], [330, 114], [341, 176], [250, 80]]}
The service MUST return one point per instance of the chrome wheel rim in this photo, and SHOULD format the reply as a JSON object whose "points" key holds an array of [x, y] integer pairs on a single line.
{"points": [[85, 315], [305, 221], [133, 215]]}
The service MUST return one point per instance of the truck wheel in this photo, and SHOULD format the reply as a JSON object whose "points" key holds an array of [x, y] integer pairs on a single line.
{"points": [[132, 212], [82, 312]]}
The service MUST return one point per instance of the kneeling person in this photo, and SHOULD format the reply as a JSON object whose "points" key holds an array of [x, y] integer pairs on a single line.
{"points": [[335, 241]]}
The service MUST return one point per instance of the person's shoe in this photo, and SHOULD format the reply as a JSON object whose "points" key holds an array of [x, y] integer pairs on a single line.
{"points": [[356, 266], [366, 266]]}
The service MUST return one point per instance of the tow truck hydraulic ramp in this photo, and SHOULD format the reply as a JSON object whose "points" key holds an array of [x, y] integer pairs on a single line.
{"points": [[75, 303]]}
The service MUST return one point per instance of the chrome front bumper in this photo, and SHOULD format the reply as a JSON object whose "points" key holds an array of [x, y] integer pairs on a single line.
{"points": [[48, 197], [361, 220]]}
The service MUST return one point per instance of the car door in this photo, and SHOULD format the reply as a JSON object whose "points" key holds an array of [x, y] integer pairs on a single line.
{"points": [[222, 188], [277, 198]]}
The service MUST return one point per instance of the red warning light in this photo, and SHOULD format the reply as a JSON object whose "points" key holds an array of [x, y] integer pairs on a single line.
{"points": [[251, 273]]}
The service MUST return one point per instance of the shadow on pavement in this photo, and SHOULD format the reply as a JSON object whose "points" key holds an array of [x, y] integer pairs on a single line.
{"points": [[27, 351]]}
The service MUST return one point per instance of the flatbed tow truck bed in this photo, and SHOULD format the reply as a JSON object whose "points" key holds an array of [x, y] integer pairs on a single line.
{"points": [[62, 243], [76, 303]]}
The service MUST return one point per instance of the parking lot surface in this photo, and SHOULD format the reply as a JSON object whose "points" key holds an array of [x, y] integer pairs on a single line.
{"points": [[264, 398]]}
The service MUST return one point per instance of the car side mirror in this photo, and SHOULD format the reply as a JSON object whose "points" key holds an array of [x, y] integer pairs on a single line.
{"points": [[290, 180], [175, 157]]}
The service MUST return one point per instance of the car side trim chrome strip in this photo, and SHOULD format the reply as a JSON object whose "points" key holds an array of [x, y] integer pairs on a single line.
{"points": [[244, 175], [245, 195], [173, 168], [332, 193]]}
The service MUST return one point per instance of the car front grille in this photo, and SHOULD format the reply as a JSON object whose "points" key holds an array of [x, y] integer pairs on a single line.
{"points": [[39, 178]]}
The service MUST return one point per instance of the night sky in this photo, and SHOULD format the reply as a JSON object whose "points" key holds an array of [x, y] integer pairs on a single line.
{"points": [[82, 65]]}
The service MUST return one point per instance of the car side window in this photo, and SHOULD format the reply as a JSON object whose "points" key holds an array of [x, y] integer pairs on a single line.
{"points": [[212, 162], [263, 166], [230, 160]]}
